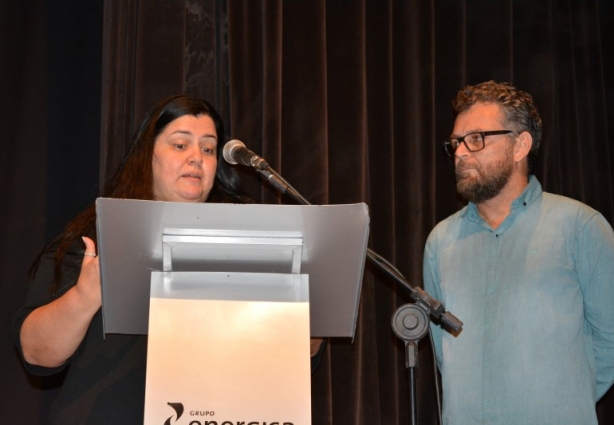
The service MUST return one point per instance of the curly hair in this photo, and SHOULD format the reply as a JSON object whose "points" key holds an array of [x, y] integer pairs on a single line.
{"points": [[519, 111]]}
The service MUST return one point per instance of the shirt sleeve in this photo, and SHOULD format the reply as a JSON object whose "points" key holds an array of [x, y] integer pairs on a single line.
{"points": [[431, 286], [595, 268], [40, 292]]}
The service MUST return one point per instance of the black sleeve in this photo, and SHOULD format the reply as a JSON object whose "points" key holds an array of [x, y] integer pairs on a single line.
{"points": [[40, 292]]}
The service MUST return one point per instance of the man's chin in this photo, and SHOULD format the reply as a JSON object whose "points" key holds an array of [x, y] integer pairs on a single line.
{"points": [[466, 188], [465, 181]]}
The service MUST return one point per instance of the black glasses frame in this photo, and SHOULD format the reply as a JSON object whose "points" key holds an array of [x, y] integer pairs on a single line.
{"points": [[451, 145]]}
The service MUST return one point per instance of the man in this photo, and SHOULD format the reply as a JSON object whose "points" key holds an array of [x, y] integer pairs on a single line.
{"points": [[530, 274]]}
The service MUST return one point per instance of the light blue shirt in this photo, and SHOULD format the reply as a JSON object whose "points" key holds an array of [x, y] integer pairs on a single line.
{"points": [[536, 297]]}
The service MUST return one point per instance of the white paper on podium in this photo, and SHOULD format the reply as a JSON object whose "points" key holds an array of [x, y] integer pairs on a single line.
{"points": [[228, 347]]}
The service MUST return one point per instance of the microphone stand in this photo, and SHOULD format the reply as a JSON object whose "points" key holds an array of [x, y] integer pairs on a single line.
{"points": [[411, 321]]}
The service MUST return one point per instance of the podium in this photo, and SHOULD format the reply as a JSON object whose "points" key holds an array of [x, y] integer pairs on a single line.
{"points": [[229, 296]]}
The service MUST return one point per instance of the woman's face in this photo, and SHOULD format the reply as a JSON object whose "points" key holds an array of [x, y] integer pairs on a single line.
{"points": [[185, 160]]}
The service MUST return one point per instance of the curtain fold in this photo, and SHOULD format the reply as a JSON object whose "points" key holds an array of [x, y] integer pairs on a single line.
{"points": [[118, 56]]}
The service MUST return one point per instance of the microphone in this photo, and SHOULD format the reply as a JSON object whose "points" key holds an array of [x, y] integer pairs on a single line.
{"points": [[235, 152]]}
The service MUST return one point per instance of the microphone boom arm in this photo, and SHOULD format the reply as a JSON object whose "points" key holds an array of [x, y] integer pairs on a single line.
{"points": [[279, 183], [419, 295]]}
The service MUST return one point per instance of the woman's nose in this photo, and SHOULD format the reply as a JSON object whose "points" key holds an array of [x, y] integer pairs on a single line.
{"points": [[196, 156]]}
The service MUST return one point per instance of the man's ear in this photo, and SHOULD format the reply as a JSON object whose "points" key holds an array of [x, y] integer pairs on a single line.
{"points": [[522, 147]]}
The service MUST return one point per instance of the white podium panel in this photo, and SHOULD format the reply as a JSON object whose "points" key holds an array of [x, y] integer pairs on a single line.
{"points": [[229, 348]]}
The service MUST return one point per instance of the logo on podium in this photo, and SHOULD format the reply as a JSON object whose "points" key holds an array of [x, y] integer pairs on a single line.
{"points": [[178, 407]]}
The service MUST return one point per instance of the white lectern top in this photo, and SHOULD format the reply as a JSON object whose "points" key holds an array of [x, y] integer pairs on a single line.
{"points": [[328, 243]]}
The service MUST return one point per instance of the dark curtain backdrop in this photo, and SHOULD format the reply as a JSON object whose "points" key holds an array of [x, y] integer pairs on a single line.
{"points": [[50, 85], [347, 99]]}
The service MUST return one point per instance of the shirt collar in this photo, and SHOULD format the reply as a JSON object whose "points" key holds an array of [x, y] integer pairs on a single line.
{"points": [[529, 194]]}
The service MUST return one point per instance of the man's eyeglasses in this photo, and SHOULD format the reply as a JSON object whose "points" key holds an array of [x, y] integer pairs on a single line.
{"points": [[473, 141]]}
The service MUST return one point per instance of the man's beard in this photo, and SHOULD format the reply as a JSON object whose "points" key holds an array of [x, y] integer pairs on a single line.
{"points": [[489, 182]]}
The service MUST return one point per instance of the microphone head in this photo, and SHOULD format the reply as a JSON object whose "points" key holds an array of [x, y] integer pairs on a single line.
{"points": [[229, 147]]}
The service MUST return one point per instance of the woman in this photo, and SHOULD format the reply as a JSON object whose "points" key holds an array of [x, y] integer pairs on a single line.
{"points": [[175, 156]]}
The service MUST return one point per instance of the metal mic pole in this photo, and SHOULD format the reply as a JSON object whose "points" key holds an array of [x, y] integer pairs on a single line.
{"points": [[421, 297]]}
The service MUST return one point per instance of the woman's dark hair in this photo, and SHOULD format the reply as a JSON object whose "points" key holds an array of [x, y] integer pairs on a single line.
{"points": [[134, 177]]}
